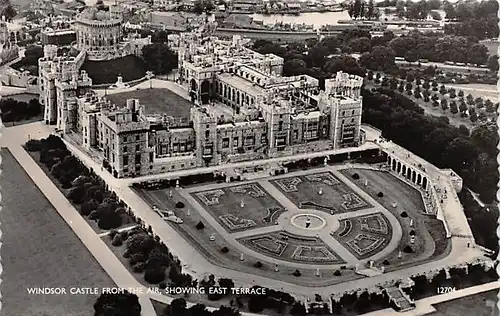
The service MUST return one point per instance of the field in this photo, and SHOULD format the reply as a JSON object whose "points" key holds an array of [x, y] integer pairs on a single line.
{"points": [[155, 100], [40, 250]]}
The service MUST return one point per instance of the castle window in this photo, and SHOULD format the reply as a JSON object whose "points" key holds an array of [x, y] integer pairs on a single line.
{"points": [[207, 134], [137, 137], [151, 157], [137, 147], [138, 159], [343, 113], [235, 142], [125, 161], [124, 149], [352, 112], [225, 142]]}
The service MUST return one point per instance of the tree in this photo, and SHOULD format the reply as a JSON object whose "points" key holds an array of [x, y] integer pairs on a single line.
{"points": [[198, 7], [462, 107], [460, 94], [379, 59], [360, 44], [154, 275], [493, 63], [411, 56], [178, 307], [125, 304], [490, 108], [444, 105], [226, 283], [159, 58], [453, 107], [298, 309], [294, 67], [478, 54]]}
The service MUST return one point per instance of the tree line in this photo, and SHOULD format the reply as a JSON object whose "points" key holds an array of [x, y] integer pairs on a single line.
{"points": [[14, 111]]}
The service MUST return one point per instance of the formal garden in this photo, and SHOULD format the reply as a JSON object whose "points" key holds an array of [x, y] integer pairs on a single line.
{"points": [[284, 245], [251, 206], [83, 188], [424, 237], [364, 235], [322, 191]]}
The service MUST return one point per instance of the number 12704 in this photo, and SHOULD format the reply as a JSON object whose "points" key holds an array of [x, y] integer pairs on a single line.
{"points": [[445, 289]]}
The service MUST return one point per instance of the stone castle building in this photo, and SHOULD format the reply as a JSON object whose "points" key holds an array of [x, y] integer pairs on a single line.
{"points": [[99, 32], [243, 109]]}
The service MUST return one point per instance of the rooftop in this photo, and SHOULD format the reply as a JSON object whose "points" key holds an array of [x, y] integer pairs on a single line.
{"points": [[242, 84]]}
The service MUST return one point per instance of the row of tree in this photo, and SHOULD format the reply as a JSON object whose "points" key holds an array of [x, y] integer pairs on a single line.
{"points": [[13, 110], [434, 139], [82, 186], [459, 278], [476, 18]]}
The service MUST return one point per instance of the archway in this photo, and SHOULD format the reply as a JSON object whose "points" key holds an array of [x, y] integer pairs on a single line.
{"points": [[408, 175], [194, 85], [424, 183], [399, 166], [393, 165], [413, 176], [404, 170], [205, 92], [419, 179]]}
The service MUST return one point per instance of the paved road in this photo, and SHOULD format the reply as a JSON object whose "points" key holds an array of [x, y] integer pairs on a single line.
{"points": [[198, 265]]}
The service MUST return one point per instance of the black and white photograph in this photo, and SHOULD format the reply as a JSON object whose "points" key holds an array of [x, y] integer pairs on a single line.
{"points": [[249, 157]]}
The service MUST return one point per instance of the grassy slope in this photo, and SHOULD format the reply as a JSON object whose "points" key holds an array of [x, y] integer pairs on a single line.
{"points": [[40, 250]]}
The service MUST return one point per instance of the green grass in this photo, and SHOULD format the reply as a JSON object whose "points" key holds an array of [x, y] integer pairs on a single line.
{"points": [[40, 250], [469, 305], [155, 101], [129, 67]]}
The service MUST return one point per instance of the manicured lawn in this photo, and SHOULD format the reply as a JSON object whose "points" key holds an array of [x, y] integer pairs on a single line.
{"points": [[155, 101], [476, 305], [410, 200], [350, 228], [129, 67], [40, 250], [212, 249], [274, 245], [337, 196], [260, 208]]}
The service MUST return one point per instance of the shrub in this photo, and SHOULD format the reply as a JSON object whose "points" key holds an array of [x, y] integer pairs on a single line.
{"points": [[297, 273], [154, 275], [112, 233], [109, 220], [200, 225], [117, 240], [404, 214], [224, 249], [380, 194], [258, 264], [179, 205], [386, 263], [407, 249], [136, 258], [127, 254], [355, 176], [94, 215], [337, 273], [162, 285], [139, 267]]}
